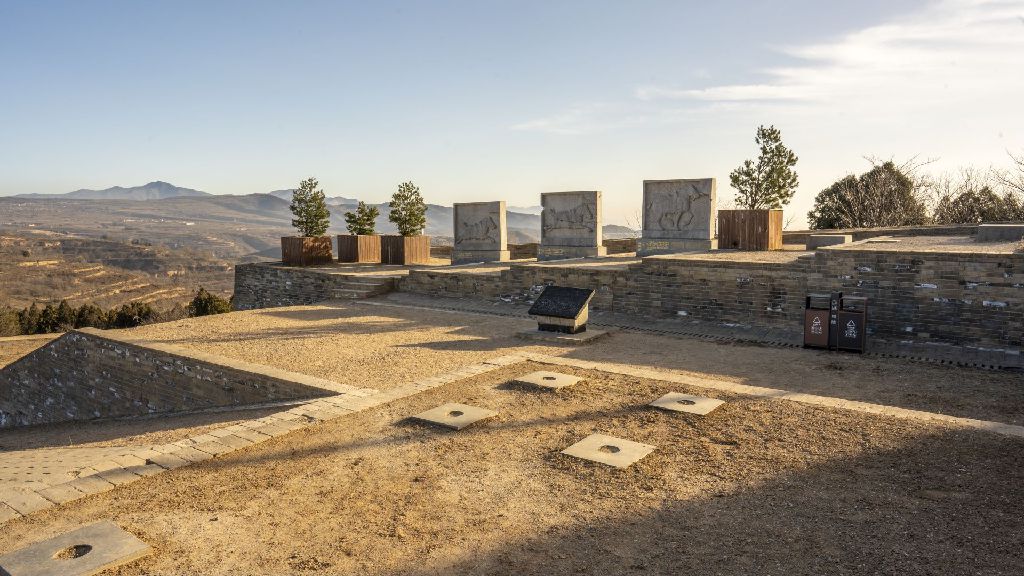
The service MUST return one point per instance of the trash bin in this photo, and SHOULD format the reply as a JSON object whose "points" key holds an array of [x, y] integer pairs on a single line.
{"points": [[816, 316], [853, 324]]}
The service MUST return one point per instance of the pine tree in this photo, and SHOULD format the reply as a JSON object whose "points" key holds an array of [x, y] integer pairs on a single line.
{"points": [[9, 325], [408, 210], [65, 317], [363, 221], [48, 320], [90, 316], [29, 319], [309, 205], [131, 315], [205, 304], [771, 182]]}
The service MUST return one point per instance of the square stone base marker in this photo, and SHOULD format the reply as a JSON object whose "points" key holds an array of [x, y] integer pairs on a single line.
{"points": [[579, 338], [679, 402], [609, 450], [455, 416], [548, 380], [87, 550]]}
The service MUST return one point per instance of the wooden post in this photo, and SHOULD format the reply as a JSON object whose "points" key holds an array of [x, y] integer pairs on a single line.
{"points": [[405, 250], [750, 229], [306, 250], [362, 248]]}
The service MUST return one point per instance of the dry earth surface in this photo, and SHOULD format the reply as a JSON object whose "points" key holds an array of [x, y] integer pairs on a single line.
{"points": [[350, 343], [758, 487], [381, 346], [15, 347]]}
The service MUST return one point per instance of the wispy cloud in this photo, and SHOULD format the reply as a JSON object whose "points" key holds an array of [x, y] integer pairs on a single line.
{"points": [[584, 119], [733, 93], [950, 50]]}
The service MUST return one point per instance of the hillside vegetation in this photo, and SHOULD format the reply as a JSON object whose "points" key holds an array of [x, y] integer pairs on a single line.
{"points": [[44, 267]]}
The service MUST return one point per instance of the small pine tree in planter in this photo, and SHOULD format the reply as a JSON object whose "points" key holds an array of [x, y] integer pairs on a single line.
{"points": [[312, 218], [361, 244], [762, 189], [409, 214]]}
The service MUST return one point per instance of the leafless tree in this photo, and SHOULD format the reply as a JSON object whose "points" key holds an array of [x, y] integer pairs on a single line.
{"points": [[1012, 178], [635, 222]]}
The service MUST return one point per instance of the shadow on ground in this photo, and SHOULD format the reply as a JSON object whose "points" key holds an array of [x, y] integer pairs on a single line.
{"points": [[131, 431]]}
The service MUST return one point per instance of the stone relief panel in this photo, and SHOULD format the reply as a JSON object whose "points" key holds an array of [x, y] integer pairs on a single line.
{"points": [[571, 219], [679, 209], [480, 226]]}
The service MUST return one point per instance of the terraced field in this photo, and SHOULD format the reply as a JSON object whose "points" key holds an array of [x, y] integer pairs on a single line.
{"points": [[43, 267]]}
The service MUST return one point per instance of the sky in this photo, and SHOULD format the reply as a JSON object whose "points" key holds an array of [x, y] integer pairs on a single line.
{"points": [[487, 100]]}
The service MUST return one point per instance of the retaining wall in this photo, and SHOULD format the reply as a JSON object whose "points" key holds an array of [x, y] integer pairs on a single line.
{"points": [[968, 299], [268, 285], [800, 236], [962, 299]]}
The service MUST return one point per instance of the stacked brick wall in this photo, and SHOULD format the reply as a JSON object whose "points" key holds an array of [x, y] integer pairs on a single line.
{"points": [[801, 236], [962, 299], [83, 375], [263, 285], [449, 284], [974, 299]]}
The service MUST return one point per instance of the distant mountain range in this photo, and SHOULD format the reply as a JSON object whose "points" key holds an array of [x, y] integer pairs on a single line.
{"points": [[331, 200], [158, 201], [153, 191]]}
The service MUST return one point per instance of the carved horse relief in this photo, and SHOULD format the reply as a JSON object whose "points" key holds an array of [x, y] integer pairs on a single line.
{"points": [[581, 217], [478, 231], [675, 211]]}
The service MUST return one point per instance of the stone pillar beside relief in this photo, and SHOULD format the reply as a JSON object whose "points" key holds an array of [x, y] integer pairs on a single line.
{"points": [[570, 225], [481, 232], [678, 216]]}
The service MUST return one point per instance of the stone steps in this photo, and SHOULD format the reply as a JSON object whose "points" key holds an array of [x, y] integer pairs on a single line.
{"points": [[362, 288]]}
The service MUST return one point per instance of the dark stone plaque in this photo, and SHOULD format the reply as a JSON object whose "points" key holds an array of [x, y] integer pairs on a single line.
{"points": [[561, 302]]}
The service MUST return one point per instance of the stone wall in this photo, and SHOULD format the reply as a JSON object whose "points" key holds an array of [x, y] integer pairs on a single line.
{"points": [[91, 374], [963, 299], [800, 236], [266, 285], [455, 285], [973, 299]]}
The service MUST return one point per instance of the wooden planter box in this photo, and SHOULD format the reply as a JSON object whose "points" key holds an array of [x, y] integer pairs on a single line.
{"points": [[750, 229], [306, 250], [404, 250], [360, 248]]}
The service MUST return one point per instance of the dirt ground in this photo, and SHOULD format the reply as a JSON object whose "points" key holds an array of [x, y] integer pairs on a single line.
{"points": [[384, 346], [356, 344], [15, 347], [758, 487]]}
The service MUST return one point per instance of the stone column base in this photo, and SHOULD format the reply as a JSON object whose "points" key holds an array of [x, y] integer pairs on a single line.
{"points": [[651, 246], [470, 256], [564, 252]]}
